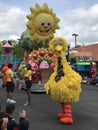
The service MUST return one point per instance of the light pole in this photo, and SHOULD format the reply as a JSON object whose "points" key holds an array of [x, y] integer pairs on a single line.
{"points": [[75, 38], [68, 58]]}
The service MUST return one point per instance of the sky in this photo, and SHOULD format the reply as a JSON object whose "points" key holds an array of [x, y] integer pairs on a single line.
{"points": [[80, 17]]}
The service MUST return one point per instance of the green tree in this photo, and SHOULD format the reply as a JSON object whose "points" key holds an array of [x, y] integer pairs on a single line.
{"points": [[18, 51], [29, 44]]}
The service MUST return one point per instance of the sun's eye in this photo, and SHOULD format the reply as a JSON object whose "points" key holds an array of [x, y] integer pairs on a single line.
{"points": [[60, 43], [49, 23], [42, 23]]}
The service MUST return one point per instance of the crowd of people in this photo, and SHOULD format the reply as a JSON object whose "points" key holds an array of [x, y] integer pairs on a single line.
{"points": [[7, 121], [6, 117], [9, 85]]}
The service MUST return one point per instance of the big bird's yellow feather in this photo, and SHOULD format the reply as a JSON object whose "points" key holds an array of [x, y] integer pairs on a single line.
{"points": [[69, 87]]}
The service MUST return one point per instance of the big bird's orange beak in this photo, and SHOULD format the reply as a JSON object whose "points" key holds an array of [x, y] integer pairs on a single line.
{"points": [[58, 48]]}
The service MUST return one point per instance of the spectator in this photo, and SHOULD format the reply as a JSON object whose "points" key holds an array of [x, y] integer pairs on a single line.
{"points": [[7, 121], [4, 69], [4, 123], [28, 81], [10, 84], [93, 71]]}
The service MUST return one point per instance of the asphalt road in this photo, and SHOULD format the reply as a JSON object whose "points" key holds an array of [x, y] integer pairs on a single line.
{"points": [[42, 112]]}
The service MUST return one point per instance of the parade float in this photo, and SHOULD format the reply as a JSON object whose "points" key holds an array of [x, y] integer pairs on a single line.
{"points": [[42, 24], [42, 63]]}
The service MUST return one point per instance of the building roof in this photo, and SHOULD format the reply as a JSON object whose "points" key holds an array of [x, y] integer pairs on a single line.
{"points": [[93, 49], [7, 45], [81, 54]]}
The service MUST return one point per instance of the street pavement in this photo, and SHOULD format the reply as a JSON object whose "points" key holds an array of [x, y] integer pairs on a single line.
{"points": [[42, 111]]}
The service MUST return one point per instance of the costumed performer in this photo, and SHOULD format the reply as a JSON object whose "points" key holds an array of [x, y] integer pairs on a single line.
{"points": [[64, 84]]}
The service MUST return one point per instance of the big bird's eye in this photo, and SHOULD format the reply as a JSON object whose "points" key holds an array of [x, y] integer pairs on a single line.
{"points": [[49, 23], [42, 23], [55, 44]]}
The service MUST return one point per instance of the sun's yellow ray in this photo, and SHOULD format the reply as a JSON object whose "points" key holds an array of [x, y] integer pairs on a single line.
{"points": [[42, 22]]}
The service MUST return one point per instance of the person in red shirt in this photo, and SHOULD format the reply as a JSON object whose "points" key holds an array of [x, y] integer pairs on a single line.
{"points": [[93, 70], [93, 73], [4, 69]]}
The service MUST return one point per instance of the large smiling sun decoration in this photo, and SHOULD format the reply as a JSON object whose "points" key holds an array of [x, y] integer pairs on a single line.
{"points": [[42, 23]]}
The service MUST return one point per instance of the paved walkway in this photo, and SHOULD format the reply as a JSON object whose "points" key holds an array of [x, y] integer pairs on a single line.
{"points": [[42, 112]]}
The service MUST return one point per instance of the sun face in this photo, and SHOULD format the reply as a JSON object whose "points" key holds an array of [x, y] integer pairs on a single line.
{"points": [[42, 23]]}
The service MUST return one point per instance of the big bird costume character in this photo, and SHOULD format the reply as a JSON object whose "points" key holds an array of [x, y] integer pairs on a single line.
{"points": [[64, 84]]}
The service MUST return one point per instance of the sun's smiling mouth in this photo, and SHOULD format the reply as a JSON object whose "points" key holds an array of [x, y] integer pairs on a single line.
{"points": [[44, 32]]}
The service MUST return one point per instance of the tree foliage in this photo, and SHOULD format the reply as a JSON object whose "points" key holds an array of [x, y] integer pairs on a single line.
{"points": [[18, 51], [29, 44]]}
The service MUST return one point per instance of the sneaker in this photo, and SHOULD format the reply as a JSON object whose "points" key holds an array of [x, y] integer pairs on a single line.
{"points": [[26, 104], [12, 101], [8, 100]]}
